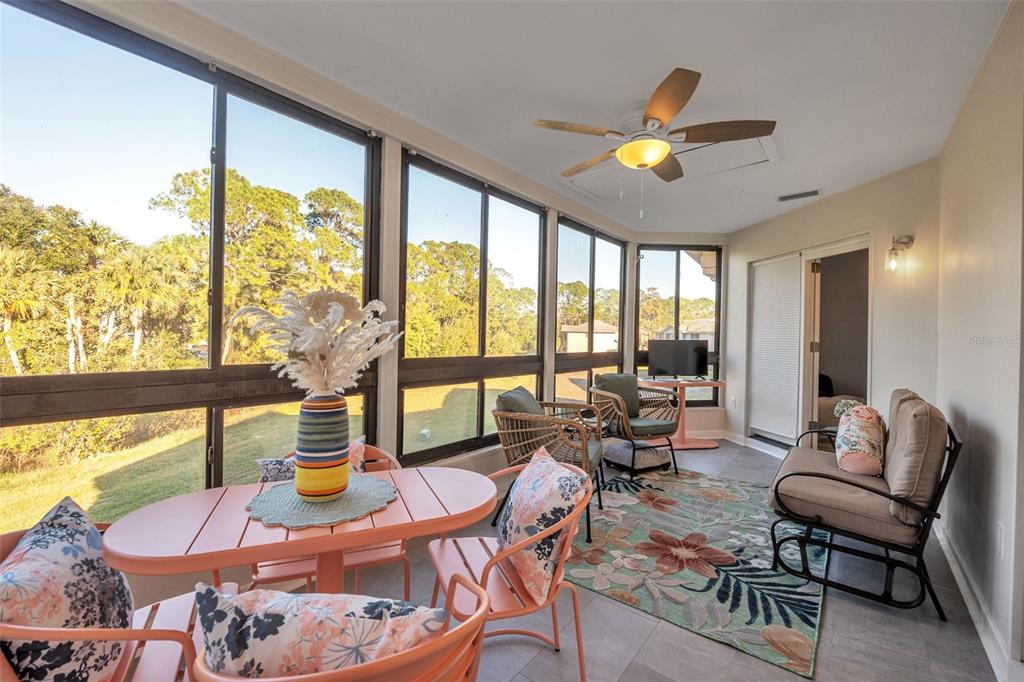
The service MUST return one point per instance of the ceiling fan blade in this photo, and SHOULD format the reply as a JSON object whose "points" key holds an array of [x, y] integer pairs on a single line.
{"points": [[725, 131], [671, 96], [589, 163], [581, 128], [669, 169]]}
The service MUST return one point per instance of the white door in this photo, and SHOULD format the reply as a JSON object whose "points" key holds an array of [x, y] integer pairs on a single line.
{"points": [[774, 347]]}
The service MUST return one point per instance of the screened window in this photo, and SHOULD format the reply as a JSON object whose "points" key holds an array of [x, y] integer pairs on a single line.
{"points": [[464, 328], [589, 291], [145, 199], [679, 296], [97, 277], [293, 217]]}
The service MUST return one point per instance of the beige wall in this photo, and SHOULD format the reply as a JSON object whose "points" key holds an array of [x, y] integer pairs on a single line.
{"points": [[979, 325], [903, 304]]}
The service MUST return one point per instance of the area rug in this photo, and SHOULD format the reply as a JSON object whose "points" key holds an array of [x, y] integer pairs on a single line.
{"points": [[695, 550]]}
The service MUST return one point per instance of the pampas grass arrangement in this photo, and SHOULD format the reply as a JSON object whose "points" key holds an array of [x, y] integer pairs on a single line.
{"points": [[326, 338]]}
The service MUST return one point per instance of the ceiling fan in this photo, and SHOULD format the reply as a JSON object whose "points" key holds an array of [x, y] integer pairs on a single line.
{"points": [[651, 145]]}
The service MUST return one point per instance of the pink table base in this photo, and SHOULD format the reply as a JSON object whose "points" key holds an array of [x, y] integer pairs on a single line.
{"points": [[679, 438], [210, 529]]}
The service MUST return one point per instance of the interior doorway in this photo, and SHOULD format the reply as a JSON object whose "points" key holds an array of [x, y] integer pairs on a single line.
{"points": [[838, 328]]}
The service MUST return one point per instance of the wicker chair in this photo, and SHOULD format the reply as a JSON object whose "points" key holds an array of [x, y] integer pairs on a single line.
{"points": [[526, 425], [635, 413]]}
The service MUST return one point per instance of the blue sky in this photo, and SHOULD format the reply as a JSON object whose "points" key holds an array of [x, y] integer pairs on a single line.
{"points": [[94, 128], [97, 129]]}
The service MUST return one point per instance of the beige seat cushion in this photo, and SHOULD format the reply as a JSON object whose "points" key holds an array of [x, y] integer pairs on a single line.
{"points": [[836, 504], [914, 458]]}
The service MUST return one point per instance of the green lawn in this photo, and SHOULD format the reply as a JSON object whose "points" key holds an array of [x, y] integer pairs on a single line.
{"points": [[110, 484]]}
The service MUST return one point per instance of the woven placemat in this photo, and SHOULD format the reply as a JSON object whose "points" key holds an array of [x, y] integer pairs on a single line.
{"points": [[282, 506]]}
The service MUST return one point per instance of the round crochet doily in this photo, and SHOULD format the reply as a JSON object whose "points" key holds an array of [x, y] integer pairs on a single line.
{"points": [[282, 506]]}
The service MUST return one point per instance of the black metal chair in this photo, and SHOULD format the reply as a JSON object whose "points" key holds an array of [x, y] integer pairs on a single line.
{"points": [[811, 491]]}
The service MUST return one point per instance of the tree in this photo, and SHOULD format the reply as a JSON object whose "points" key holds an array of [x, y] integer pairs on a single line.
{"points": [[139, 281], [22, 297], [336, 211]]}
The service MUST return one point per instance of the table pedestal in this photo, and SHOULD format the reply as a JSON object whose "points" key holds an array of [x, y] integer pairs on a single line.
{"points": [[679, 438]]}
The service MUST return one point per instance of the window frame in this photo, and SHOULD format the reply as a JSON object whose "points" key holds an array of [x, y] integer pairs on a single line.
{"points": [[640, 357], [574, 362], [439, 371], [216, 387]]}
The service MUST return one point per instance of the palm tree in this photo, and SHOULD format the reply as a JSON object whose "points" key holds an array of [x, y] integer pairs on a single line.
{"points": [[22, 296], [138, 281]]}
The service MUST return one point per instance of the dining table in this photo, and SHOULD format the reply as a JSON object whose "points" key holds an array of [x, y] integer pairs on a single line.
{"points": [[211, 529]]}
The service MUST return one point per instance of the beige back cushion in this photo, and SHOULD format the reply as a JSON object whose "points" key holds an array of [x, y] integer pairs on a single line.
{"points": [[914, 458], [898, 397]]}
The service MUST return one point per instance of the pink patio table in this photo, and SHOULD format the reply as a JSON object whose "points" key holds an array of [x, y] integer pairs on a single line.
{"points": [[210, 529]]}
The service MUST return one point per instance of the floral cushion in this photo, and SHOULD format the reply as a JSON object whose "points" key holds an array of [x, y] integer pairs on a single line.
{"points": [[860, 438], [544, 493], [276, 469], [265, 633], [56, 577]]}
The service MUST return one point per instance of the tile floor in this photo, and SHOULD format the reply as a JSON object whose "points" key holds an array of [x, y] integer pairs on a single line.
{"points": [[860, 641]]}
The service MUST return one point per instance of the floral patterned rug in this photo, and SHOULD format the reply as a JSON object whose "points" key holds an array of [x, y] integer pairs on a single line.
{"points": [[696, 551]]}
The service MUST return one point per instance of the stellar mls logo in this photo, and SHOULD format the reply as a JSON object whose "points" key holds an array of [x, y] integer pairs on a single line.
{"points": [[1008, 341]]}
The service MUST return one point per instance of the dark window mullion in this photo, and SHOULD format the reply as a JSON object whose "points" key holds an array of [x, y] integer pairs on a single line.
{"points": [[482, 316], [676, 328], [590, 296], [481, 394], [215, 300]]}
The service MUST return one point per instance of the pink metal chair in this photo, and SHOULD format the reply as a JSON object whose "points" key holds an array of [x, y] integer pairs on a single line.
{"points": [[480, 558], [455, 655], [283, 570], [160, 646]]}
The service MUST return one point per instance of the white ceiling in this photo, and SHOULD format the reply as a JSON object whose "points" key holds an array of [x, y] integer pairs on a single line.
{"points": [[859, 89]]}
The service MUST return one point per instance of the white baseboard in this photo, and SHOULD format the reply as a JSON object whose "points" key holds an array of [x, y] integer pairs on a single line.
{"points": [[995, 648], [755, 444]]}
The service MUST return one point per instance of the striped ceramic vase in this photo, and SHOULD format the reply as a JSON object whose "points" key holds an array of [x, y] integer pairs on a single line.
{"points": [[321, 453]]}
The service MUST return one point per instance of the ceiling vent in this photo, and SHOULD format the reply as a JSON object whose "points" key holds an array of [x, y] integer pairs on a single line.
{"points": [[799, 195]]}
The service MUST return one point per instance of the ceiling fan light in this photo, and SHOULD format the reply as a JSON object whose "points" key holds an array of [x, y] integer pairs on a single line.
{"points": [[643, 153]]}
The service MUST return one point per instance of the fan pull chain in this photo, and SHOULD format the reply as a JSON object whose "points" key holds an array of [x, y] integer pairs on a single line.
{"points": [[642, 174]]}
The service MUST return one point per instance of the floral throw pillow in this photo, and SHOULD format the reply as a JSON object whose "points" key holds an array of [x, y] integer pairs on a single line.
{"points": [[544, 493], [860, 438], [266, 633], [56, 577], [276, 469]]}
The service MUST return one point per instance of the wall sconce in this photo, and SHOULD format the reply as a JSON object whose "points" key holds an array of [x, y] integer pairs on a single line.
{"points": [[900, 245]]}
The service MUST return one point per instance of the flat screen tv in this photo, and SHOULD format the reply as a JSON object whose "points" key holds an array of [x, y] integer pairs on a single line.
{"points": [[687, 357]]}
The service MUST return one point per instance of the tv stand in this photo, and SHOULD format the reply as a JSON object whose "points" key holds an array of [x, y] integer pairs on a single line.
{"points": [[679, 438]]}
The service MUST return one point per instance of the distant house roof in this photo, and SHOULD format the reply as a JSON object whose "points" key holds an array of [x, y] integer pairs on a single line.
{"points": [[702, 326], [600, 327]]}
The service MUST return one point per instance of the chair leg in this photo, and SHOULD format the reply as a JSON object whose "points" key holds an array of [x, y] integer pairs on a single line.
{"points": [[406, 570], [437, 588], [554, 623], [588, 523], [672, 448], [926, 580], [632, 463], [501, 507], [600, 503], [579, 629]]}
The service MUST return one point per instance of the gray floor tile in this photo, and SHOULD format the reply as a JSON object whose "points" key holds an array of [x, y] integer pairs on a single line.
{"points": [[669, 646], [637, 672], [613, 635]]}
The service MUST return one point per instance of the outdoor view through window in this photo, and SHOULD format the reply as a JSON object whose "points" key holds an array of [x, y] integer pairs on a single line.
{"points": [[104, 256]]}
